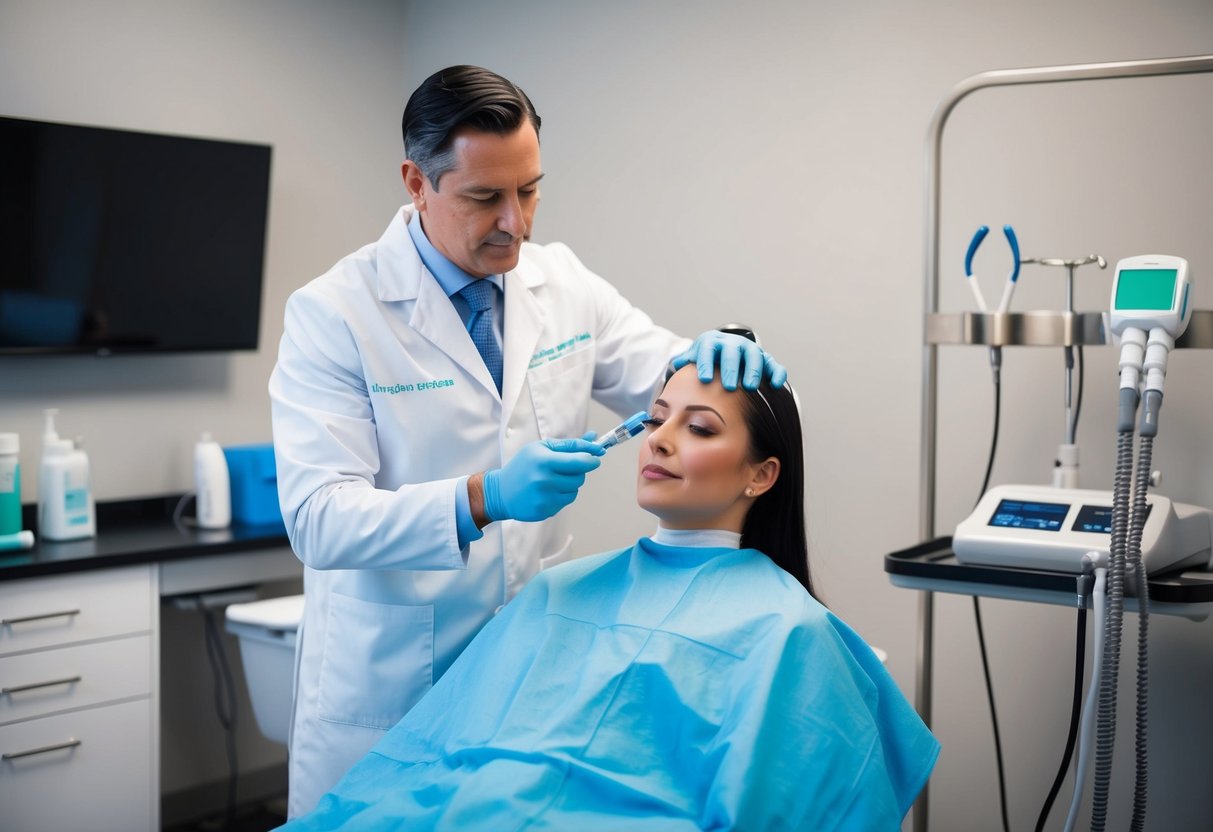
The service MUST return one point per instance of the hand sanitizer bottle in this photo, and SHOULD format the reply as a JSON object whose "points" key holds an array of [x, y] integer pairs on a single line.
{"points": [[10, 484], [213, 485], [65, 499]]}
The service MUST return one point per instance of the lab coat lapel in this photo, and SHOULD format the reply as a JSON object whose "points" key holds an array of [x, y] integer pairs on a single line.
{"points": [[403, 277], [435, 319], [524, 320]]}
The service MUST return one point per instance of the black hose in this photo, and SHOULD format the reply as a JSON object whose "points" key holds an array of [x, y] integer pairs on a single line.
{"points": [[995, 362], [1078, 396], [225, 706], [985, 666], [1075, 713]]}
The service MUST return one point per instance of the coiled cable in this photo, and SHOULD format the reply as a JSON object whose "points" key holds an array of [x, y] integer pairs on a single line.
{"points": [[1133, 563], [1106, 734]]}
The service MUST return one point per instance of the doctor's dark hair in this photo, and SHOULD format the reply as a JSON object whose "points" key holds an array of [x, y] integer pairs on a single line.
{"points": [[455, 97], [775, 524]]}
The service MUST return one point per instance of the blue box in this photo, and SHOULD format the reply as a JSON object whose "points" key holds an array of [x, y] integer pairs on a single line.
{"points": [[254, 485]]}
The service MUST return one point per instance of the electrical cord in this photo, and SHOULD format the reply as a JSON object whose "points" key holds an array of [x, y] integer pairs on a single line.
{"points": [[178, 520], [225, 705], [1075, 708], [1080, 643], [1080, 655], [1078, 395], [985, 666], [1089, 711], [996, 366], [996, 375]]}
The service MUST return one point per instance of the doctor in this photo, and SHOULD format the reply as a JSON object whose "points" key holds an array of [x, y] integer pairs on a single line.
{"points": [[422, 431]]}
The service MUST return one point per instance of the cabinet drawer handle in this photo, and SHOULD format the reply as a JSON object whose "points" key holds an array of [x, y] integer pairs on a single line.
{"points": [[46, 749], [26, 618], [71, 680]]}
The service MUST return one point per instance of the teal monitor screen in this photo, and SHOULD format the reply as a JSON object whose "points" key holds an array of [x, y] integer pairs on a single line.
{"points": [[1146, 289]]}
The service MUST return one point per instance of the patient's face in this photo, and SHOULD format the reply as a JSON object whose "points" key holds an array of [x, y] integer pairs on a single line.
{"points": [[694, 463]]}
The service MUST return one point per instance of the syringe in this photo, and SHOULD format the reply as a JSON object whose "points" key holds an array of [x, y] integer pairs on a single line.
{"points": [[624, 431]]}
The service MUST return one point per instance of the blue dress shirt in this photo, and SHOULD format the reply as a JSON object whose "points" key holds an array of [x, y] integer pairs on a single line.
{"points": [[452, 279]]}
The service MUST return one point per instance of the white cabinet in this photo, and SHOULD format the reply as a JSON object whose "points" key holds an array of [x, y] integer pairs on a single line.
{"points": [[79, 745]]}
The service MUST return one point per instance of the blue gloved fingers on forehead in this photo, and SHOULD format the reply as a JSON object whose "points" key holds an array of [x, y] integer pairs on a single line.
{"points": [[732, 353]]}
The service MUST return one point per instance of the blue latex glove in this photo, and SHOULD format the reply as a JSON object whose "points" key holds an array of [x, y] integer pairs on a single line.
{"points": [[733, 351], [541, 479]]}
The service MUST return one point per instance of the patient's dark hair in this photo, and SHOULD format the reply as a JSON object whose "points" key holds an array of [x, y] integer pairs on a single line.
{"points": [[455, 97], [775, 524]]}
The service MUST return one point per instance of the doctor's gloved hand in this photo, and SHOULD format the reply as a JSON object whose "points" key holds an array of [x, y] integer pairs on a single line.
{"points": [[733, 351], [541, 479]]}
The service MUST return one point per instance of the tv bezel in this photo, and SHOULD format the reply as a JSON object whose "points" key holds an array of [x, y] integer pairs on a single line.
{"points": [[108, 350]]}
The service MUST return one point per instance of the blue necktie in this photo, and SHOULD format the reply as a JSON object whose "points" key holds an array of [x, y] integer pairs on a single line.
{"points": [[479, 295]]}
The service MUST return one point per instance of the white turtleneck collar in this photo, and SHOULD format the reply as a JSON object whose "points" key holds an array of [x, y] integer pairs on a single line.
{"points": [[698, 538]]}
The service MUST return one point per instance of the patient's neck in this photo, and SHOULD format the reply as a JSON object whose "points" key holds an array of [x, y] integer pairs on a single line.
{"points": [[698, 538]]}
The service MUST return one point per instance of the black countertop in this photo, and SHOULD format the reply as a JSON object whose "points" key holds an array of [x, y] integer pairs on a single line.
{"points": [[132, 532]]}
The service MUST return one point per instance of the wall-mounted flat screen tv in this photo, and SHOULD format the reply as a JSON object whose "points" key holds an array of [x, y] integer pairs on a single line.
{"points": [[113, 241]]}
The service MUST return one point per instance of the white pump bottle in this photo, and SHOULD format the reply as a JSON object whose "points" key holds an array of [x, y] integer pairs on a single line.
{"points": [[213, 485], [66, 510]]}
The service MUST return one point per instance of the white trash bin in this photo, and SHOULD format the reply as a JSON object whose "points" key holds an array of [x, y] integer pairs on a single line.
{"points": [[267, 631]]}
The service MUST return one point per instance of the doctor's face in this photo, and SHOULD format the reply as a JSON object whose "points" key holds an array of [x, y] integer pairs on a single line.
{"points": [[484, 209], [695, 464]]}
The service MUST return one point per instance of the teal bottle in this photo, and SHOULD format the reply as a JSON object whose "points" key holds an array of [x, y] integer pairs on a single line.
{"points": [[10, 484]]}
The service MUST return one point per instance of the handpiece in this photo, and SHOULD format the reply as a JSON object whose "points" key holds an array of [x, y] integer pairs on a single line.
{"points": [[624, 431]]}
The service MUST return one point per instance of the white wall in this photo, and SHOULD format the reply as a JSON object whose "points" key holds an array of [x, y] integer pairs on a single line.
{"points": [[764, 162], [320, 82]]}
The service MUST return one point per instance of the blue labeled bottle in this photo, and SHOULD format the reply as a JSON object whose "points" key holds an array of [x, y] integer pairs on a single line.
{"points": [[65, 499]]}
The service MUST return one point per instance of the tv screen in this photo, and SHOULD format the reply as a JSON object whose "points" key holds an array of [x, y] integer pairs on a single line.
{"points": [[117, 241]]}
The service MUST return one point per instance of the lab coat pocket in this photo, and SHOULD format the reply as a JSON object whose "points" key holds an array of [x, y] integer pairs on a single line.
{"points": [[560, 394], [378, 661], [558, 557]]}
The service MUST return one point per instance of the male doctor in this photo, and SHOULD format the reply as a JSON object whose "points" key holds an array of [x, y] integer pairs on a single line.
{"points": [[424, 400]]}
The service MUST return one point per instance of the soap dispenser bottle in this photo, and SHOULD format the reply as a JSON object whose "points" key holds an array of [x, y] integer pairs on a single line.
{"points": [[212, 482], [65, 499]]}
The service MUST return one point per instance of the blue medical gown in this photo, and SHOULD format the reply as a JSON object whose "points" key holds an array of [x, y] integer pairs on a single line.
{"points": [[653, 688]]}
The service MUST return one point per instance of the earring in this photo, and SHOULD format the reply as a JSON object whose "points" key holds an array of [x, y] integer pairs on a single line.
{"points": [[749, 492]]}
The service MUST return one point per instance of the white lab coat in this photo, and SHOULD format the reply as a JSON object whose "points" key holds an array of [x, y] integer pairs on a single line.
{"points": [[380, 404]]}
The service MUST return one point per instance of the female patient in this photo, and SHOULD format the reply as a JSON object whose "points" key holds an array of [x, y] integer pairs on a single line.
{"points": [[688, 682]]}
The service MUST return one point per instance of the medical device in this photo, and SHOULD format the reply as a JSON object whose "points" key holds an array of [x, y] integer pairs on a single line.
{"points": [[1043, 527], [624, 431], [1012, 276], [1122, 535], [1149, 310], [1151, 291]]}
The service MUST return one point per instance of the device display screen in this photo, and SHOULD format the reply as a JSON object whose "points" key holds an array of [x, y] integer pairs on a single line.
{"points": [[1146, 288], [1019, 514], [1094, 519], [1098, 519]]}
